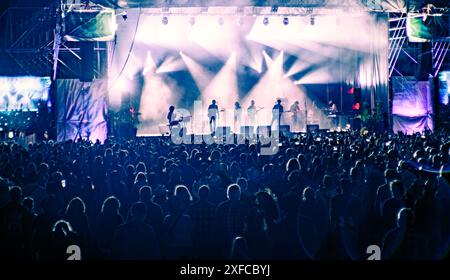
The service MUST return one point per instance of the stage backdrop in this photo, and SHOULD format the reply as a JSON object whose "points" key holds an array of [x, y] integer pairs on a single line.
{"points": [[412, 106], [82, 110], [161, 59]]}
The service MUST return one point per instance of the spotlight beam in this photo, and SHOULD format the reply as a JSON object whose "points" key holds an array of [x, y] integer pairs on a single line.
{"points": [[201, 76]]}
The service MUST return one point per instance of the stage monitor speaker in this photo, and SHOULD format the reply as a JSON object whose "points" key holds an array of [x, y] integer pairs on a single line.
{"points": [[312, 128], [87, 61]]}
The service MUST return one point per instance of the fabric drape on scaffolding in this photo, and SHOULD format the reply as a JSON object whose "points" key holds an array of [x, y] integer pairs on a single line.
{"points": [[373, 73], [82, 110], [412, 106]]}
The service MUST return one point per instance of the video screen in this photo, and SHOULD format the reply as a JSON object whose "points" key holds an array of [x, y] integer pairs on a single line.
{"points": [[444, 87], [23, 93]]}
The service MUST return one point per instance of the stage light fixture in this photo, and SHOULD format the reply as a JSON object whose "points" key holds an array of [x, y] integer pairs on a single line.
{"points": [[266, 21], [165, 20], [286, 21], [312, 20], [221, 21]]}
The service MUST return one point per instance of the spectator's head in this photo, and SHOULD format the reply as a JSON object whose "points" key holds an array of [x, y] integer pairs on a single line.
{"points": [[436, 161], [294, 178], [141, 179], [308, 194], [405, 218], [355, 175], [243, 183], [239, 249], [43, 169], [76, 207], [98, 161], [292, 165], [130, 170], [138, 211], [234, 169], [389, 175], [215, 155], [263, 198], [111, 205], [234, 192], [62, 227], [443, 172], [145, 194], [54, 185], [327, 182], [268, 169], [182, 195], [140, 167], [203, 193], [397, 189], [152, 178], [214, 101], [15, 194], [109, 153], [28, 202], [430, 187]]}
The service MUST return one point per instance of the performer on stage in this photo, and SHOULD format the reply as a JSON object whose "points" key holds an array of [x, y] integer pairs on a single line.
{"points": [[213, 115], [251, 112], [332, 107], [277, 112], [237, 116], [170, 116], [295, 110], [332, 111]]}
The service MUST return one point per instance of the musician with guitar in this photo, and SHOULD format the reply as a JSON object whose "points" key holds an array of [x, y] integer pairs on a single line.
{"points": [[178, 118], [295, 110], [252, 112]]}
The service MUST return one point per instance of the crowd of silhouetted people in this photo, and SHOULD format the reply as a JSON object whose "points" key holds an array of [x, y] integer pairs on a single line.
{"points": [[325, 196]]}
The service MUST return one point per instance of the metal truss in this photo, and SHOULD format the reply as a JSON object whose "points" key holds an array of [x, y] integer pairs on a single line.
{"points": [[439, 50], [397, 38], [29, 45], [27, 34]]}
